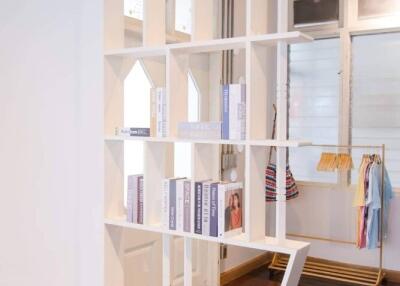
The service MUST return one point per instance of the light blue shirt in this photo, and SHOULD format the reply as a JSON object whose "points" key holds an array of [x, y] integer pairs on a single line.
{"points": [[373, 202]]}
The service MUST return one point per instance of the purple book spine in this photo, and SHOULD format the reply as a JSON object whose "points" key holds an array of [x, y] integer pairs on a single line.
{"points": [[140, 200], [214, 210], [172, 205], [197, 210], [186, 206], [225, 111]]}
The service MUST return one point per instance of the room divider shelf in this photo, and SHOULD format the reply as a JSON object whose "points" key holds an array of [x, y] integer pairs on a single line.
{"points": [[260, 55]]}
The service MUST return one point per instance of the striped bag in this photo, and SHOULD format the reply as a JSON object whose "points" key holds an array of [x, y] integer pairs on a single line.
{"points": [[270, 176]]}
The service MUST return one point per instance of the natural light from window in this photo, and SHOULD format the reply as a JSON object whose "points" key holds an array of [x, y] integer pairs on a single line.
{"points": [[134, 9], [183, 16]]}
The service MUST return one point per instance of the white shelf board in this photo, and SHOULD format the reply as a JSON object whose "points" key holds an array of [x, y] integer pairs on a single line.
{"points": [[267, 244], [139, 52], [211, 45], [286, 143], [278, 143], [288, 37], [174, 139]]}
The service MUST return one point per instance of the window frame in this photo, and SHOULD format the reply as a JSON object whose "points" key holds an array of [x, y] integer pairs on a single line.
{"points": [[349, 25]]}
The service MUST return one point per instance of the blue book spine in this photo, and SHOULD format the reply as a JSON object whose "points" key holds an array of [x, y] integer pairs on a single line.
{"points": [[225, 111], [172, 205], [197, 210], [214, 210]]}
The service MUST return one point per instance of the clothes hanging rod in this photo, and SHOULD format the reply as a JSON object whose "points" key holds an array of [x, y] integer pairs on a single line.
{"points": [[345, 146]]}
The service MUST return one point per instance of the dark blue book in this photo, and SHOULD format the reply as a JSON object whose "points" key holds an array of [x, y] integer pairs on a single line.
{"points": [[214, 210], [197, 207], [172, 204], [225, 112]]}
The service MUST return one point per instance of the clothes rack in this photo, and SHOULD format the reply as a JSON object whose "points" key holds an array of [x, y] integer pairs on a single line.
{"points": [[348, 273]]}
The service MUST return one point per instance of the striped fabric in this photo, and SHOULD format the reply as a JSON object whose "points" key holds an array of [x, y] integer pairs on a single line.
{"points": [[270, 184]]}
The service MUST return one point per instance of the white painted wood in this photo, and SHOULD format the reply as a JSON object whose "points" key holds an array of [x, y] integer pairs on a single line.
{"points": [[255, 192], [177, 90], [201, 10], [139, 52], [266, 243], [188, 261], [295, 267], [166, 260], [154, 28], [256, 16], [113, 24]]}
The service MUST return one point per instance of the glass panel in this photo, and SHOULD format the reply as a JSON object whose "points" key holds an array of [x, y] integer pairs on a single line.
{"points": [[378, 7], [183, 16], [133, 8], [315, 11], [314, 87], [376, 98]]}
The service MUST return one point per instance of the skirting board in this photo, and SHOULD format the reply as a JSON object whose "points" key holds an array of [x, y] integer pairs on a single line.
{"points": [[246, 267], [266, 258]]}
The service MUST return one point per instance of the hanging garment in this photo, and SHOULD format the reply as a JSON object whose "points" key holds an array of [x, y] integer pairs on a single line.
{"points": [[270, 184]]}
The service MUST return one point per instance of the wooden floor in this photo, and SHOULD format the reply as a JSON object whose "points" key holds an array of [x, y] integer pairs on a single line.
{"points": [[260, 277]]}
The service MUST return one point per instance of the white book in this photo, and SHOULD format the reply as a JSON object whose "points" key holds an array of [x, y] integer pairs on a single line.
{"points": [[165, 204], [237, 111], [133, 198], [159, 115], [206, 208], [179, 204], [230, 209]]}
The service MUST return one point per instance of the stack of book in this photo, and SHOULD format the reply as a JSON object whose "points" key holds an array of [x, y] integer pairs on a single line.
{"points": [[202, 207], [135, 199], [158, 112], [199, 130], [234, 111]]}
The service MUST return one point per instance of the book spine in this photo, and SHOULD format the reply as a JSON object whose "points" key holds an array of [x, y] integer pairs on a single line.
{"points": [[221, 210], [134, 131], [172, 205], [214, 210], [153, 112], [163, 112], [192, 205], [159, 113], [233, 102], [179, 205], [187, 216], [129, 199], [206, 209], [165, 204], [140, 201], [197, 211], [243, 113], [135, 199], [225, 112]]}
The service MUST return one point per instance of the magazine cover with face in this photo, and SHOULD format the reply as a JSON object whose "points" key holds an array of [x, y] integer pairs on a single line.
{"points": [[233, 209]]}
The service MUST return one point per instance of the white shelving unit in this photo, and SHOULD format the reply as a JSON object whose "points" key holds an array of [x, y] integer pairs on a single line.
{"points": [[168, 66]]}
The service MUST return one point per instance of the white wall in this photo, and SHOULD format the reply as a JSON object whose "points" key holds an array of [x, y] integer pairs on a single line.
{"points": [[51, 142]]}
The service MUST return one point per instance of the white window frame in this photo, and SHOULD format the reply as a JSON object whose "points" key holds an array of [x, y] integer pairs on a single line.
{"points": [[349, 25]]}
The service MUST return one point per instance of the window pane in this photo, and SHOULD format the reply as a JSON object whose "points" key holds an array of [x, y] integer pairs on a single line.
{"points": [[133, 8], [315, 11], [376, 98], [313, 104], [377, 7], [183, 16]]}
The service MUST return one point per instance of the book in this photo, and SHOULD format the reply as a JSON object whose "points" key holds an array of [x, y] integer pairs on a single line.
{"points": [[214, 209], [225, 112], [179, 204], [199, 130], [233, 112], [165, 204], [188, 206], [139, 216], [230, 209], [198, 207], [132, 131], [205, 208], [161, 103], [153, 112], [135, 199]]}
